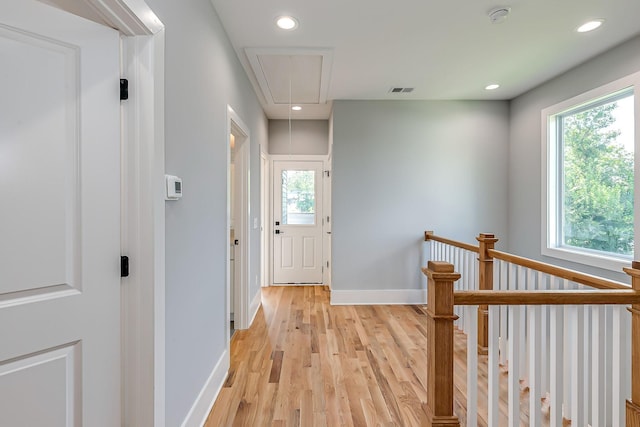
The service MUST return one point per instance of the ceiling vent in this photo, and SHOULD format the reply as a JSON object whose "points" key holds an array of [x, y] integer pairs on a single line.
{"points": [[401, 90]]}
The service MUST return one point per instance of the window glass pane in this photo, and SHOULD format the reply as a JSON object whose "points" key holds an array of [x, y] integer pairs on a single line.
{"points": [[597, 171], [298, 197]]}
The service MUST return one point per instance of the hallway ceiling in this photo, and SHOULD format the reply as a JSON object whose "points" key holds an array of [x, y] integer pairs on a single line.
{"points": [[442, 49]]}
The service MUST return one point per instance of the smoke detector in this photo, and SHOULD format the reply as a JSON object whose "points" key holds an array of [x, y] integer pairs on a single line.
{"points": [[499, 14]]}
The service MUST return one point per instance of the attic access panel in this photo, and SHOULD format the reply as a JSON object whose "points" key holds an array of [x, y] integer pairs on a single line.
{"points": [[306, 70]]}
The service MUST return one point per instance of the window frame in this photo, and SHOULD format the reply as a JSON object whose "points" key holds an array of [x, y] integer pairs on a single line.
{"points": [[552, 176]]}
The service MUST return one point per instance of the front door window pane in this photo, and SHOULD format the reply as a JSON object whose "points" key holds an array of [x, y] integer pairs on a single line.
{"points": [[298, 197]]}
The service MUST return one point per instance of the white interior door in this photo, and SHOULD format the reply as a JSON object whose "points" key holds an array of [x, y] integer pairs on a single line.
{"points": [[59, 220], [297, 216]]}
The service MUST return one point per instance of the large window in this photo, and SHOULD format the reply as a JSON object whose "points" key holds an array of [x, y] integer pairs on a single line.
{"points": [[589, 172]]}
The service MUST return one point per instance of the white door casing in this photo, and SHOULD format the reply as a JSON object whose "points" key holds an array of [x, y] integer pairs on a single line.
{"points": [[297, 238], [60, 219], [264, 219], [241, 222]]}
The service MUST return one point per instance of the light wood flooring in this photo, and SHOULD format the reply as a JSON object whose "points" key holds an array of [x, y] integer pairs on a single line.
{"points": [[306, 363]]}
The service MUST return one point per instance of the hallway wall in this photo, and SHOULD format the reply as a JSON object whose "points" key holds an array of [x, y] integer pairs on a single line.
{"points": [[525, 146], [203, 75], [402, 167], [307, 137]]}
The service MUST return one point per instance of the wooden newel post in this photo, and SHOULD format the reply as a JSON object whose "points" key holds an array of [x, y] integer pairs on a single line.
{"points": [[440, 320], [633, 405], [485, 282]]}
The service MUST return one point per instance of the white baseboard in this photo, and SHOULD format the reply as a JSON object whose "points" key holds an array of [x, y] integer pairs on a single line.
{"points": [[379, 297], [207, 397], [255, 305]]}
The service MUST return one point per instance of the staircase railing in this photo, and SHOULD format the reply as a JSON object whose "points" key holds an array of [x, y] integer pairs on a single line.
{"points": [[565, 338]]}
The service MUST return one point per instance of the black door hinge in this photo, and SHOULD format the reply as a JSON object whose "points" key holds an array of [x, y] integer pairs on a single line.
{"points": [[124, 266], [124, 89]]}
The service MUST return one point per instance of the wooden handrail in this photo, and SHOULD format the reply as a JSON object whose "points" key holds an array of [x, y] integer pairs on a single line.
{"points": [[558, 297], [440, 289], [564, 273], [428, 235]]}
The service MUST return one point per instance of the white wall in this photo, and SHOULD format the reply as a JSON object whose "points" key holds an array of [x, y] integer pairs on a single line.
{"points": [[307, 137], [525, 154], [203, 75], [400, 168]]}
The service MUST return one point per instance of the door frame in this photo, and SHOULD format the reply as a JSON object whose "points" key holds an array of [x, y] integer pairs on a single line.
{"points": [[326, 204], [242, 166], [265, 217], [143, 210]]}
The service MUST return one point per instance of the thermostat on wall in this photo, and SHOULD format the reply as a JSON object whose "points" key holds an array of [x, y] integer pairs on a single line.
{"points": [[174, 187]]}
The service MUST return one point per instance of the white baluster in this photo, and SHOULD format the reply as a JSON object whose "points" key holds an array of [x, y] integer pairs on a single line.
{"points": [[621, 362], [543, 284], [504, 317], [566, 357], [513, 380], [472, 367], [608, 357], [597, 367], [556, 344], [576, 361], [521, 332], [534, 366], [586, 366], [493, 365]]}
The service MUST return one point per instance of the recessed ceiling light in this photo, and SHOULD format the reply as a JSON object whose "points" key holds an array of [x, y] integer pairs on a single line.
{"points": [[296, 108], [287, 22], [589, 26], [493, 86]]}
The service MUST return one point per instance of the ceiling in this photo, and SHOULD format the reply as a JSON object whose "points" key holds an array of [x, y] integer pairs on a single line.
{"points": [[442, 49]]}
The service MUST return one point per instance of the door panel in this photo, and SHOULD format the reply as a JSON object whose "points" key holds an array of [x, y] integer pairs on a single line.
{"points": [[54, 389], [309, 244], [46, 136], [298, 218], [60, 219]]}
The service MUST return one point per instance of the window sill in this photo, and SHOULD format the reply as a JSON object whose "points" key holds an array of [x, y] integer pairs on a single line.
{"points": [[591, 259]]}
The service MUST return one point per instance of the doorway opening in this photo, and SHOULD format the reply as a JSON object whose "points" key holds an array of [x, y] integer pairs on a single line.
{"points": [[238, 227]]}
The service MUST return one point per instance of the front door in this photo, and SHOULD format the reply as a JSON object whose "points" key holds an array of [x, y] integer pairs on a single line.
{"points": [[59, 219], [297, 247]]}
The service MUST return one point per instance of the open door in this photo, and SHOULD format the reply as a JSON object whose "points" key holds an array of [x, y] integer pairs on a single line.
{"points": [[60, 219]]}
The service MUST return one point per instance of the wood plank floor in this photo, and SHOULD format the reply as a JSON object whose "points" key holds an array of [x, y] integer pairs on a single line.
{"points": [[306, 363]]}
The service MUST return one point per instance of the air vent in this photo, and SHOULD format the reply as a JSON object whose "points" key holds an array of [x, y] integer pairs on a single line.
{"points": [[401, 90]]}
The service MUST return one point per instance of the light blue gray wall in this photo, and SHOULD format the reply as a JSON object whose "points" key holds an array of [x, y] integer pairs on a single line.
{"points": [[525, 153], [403, 167], [203, 75], [307, 137]]}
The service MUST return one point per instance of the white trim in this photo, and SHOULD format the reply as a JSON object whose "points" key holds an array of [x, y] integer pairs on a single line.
{"points": [[379, 297], [143, 302], [206, 398], [255, 306], [130, 17], [549, 245], [298, 157], [253, 56], [241, 309], [265, 217], [143, 237]]}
